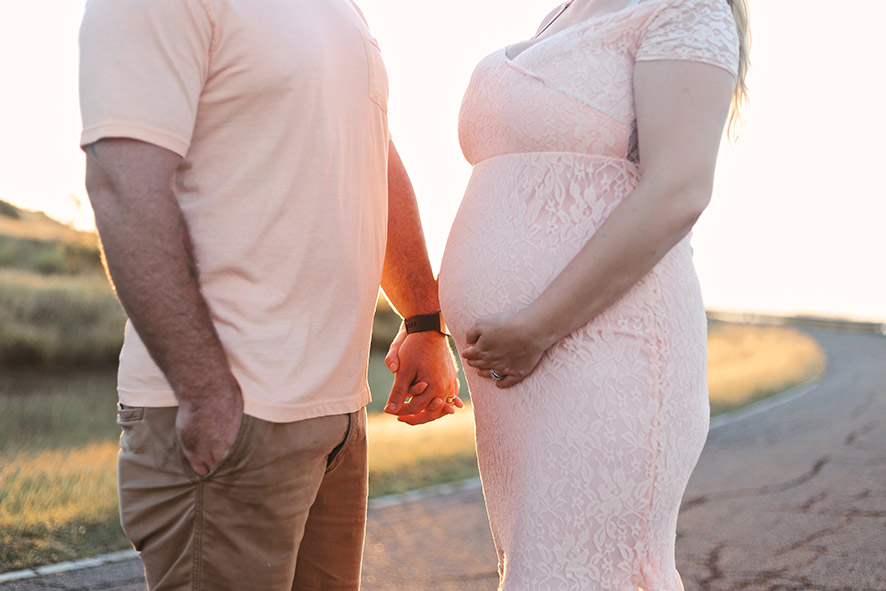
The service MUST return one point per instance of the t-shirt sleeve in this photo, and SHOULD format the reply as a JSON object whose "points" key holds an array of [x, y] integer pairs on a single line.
{"points": [[693, 30], [143, 64]]}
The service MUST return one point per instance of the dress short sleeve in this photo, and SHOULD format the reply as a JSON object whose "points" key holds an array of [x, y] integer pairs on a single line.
{"points": [[143, 64], [692, 30]]}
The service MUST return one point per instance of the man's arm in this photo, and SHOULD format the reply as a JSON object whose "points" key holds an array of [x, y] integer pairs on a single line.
{"points": [[409, 283], [151, 264]]}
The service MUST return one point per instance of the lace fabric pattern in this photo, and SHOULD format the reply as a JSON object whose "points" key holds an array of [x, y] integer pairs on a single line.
{"points": [[583, 463]]}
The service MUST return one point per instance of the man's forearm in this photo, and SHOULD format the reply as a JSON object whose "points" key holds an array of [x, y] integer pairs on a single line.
{"points": [[407, 279], [146, 245]]}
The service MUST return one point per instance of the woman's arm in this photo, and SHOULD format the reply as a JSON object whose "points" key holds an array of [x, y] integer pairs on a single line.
{"points": [[681, 107]]}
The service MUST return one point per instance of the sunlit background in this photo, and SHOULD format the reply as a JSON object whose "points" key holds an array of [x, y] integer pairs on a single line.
{"points": [[799, 215]]}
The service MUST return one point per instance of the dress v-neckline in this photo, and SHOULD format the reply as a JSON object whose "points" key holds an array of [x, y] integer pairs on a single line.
{"points": [[629, 6]]}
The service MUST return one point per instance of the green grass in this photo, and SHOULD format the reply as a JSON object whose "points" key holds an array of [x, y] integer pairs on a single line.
{"points": [[403, 458], [57, 462], [57, 467], [58, 449], [57, 442], [57, 310], [48, 257], [31, 241], [56, 412], [60, 333], [58, 505], [9, 210], [59, 317], [58, 322]]}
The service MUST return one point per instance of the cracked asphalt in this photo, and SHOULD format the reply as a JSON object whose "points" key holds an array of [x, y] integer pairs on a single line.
{"points": [[793, 499]]}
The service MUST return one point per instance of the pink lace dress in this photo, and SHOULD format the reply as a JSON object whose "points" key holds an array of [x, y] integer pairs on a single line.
{"points": [[583, 463]]}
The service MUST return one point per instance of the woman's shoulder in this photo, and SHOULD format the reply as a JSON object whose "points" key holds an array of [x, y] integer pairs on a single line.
{"points": [[691, 10], [695, 30]]}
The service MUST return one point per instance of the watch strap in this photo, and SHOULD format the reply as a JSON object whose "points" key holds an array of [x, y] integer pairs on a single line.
{"points": [[425, 323]]}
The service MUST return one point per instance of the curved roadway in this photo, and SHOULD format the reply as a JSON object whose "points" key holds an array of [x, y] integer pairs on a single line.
{"points": [[790, 499]]}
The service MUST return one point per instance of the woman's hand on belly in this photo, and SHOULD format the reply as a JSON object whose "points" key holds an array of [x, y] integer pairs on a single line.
{"points": [[503, 343]]}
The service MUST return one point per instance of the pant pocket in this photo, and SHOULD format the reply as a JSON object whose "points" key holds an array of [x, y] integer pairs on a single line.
{"points": [[356, 430], [230, 458], [129, 414], [133, 436]]}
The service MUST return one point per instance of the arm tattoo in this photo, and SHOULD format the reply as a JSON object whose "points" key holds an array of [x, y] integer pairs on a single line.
{"points": [[192, 272]]}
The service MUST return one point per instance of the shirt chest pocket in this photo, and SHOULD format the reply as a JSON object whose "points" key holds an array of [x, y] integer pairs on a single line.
{"points": [[378, 76]]}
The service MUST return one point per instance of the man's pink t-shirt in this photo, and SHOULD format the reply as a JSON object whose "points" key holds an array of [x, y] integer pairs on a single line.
{"points": [[278, 109]]}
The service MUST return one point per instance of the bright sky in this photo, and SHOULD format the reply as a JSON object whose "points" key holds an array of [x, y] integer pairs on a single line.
{"points": [[798, 220]]}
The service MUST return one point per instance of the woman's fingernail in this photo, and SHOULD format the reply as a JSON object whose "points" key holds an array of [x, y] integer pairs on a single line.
{"points": [[390, 407]]}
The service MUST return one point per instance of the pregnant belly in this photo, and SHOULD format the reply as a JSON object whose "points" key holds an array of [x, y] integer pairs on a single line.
{"points": [[523, 218]]}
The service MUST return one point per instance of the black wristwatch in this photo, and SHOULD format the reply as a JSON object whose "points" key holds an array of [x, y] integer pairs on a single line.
{"points": [[425, 323]]}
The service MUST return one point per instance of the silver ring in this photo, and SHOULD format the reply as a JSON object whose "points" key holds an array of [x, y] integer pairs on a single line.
{"points": [[495, 375]]}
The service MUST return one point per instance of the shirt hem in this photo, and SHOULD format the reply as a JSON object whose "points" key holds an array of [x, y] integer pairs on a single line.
{"points": [[158, 137], [652, 57], [267, 411]]}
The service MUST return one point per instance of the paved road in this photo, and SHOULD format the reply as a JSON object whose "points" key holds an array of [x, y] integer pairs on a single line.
{"points": [[792, 499], [795, 499]]}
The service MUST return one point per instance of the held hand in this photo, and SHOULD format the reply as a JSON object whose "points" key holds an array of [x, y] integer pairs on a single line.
{"points": [[425, 373], [501, 342], [392, 359], [207, 427], [434, 411], [436, 407]]}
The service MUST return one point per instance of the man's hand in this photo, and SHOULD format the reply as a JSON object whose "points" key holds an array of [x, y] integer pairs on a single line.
{"points": [[207, 428], [425, 372], [423, 363]]}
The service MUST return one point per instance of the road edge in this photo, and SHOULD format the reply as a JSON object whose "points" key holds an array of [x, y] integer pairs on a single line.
{"points": [[717, 422]]}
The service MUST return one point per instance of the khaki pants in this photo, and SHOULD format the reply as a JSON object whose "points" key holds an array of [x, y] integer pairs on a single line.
{"points": [[285, 510]]}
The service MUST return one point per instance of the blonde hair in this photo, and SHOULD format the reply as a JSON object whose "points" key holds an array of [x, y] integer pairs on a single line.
{"points": [[740, 97]]}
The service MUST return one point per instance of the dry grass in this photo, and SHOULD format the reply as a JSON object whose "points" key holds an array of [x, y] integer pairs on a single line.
{"points": [[58, 505], [61, 503], [36, 225], [746, 363], [57, 310], [57, 412], [32, 241], [403, 458], [58, 321]]}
